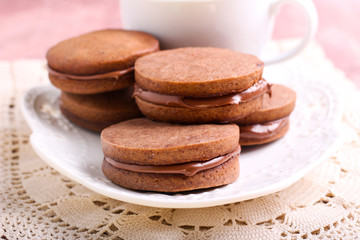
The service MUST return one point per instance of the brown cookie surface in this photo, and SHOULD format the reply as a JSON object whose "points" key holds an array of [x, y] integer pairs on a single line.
{"points": [[278, 105], [100, 52], [144, 142], [197, 72], [97, 111]]}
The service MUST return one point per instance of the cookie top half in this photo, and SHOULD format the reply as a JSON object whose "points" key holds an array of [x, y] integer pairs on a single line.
{"points": [[144, 142], [197, 72], [100, 52]]}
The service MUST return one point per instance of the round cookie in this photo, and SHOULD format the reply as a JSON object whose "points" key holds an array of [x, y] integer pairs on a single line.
{"points": [[145, 155], [279, 104], [197, 72], [199, 85], [98, 111], [99, 61], [271, 122]]}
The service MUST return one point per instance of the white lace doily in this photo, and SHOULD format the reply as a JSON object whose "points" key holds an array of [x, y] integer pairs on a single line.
{"points": [[36, 202]]}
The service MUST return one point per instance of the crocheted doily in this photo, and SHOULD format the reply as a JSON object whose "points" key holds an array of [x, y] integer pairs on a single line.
{"points": [[36, 202]]}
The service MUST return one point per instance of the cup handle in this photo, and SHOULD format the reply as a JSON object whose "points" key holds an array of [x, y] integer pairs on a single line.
{"points": [[312, 23]]}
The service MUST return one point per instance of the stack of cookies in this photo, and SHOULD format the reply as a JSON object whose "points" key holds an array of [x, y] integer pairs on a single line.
{"points": [[199, 100], [200, 105], [95, 72]]}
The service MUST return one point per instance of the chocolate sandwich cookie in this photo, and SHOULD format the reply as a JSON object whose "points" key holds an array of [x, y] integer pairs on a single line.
{"points": [[271, 122], [99, 61], [145, 155], [199, 85], [98, 111]]}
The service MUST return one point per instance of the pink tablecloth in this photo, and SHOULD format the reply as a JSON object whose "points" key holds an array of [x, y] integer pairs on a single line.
{"points": [[29, 28]]}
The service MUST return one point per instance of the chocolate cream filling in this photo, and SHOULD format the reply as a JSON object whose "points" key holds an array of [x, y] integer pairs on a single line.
{"points": [[188, 169], [258, 89], [262, 130], [114, 74]]}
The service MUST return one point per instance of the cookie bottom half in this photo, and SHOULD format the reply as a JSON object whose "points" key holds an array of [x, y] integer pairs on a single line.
{"points": [[223, 174], [92, 86], [223, 114], [84, 123], [256, 139]]}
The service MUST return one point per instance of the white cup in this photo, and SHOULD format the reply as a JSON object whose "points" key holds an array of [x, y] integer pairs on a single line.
{"points": [[242, 25]]}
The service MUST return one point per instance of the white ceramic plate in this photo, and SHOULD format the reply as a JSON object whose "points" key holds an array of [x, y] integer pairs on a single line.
{"points": [[77, 154]]}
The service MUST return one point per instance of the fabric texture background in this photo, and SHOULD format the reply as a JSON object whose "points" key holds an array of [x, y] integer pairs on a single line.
{"points": [[36, 202]]}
